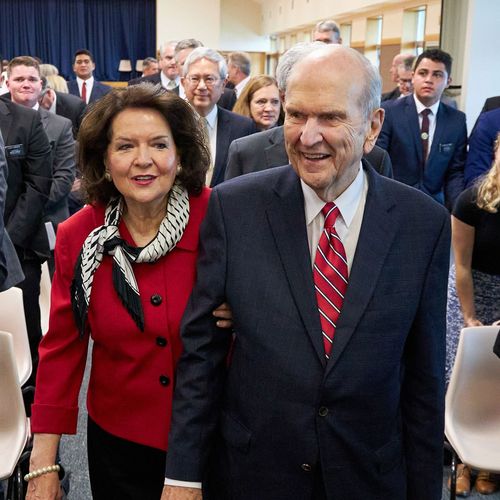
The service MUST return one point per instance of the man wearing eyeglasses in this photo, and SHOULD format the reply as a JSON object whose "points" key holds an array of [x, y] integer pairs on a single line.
{"points": [[204, 78]]}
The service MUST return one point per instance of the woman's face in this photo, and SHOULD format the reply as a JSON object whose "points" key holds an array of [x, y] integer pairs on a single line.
{"points": [[265, 107], [142, 158]]}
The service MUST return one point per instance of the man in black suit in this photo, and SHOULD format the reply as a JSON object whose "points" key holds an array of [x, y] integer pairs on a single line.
{"points": [[204, 77], [168, 77], [397, 61], [150, 67], [267, 149], [86, 87], [29, 182], [331, 384], [11, 272], [62, 104]]}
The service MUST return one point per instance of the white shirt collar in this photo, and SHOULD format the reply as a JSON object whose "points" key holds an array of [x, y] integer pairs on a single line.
{"points": [[347, 202], [240, 86], [420, 107], [88, 81], [165, 80], [212, 117]]}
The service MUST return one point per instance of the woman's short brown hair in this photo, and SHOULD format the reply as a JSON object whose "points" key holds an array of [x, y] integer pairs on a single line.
{"points": [[96, 129]]}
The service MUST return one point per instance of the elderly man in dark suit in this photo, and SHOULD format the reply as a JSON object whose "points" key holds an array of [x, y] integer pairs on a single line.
{"points": [[10, 269], [86, 87], [204, 77], [332, 384], [425, 138], [267, 149]]}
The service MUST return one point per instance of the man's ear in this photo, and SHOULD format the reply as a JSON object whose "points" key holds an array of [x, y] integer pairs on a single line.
{"points": [[449, 82], [376, 121]]}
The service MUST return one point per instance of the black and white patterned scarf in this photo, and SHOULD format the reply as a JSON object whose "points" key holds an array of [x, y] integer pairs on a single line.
{"points": [[106, 240]]}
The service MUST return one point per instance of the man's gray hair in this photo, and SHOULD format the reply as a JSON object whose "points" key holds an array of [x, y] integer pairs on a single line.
{"points": [[206, 53], [241, 60], [187, 43], [326, 26], [290, 57], [149, 61], [164, 46]]}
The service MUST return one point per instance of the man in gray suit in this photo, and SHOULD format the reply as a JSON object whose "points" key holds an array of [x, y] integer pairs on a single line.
{"points": [[10, 269], [267, 149]]}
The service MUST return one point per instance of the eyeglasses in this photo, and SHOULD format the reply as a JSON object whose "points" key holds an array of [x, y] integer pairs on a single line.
{"points": [[209, 80]]}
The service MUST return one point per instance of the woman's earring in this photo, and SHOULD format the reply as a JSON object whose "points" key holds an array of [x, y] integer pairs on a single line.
{"points": [[179, 167], [107, 176]]}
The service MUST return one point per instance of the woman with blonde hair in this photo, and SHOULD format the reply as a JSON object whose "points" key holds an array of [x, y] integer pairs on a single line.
{"points": [[260, 101], [474, 287]]}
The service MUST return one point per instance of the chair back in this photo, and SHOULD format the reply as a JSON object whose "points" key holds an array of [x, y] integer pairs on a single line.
{"points": [[12, 320], [472, 418], [44, 300], [13, 421]]}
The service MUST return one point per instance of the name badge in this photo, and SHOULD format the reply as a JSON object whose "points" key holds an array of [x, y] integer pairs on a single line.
{"points": [[15, 151], [446, 148]]}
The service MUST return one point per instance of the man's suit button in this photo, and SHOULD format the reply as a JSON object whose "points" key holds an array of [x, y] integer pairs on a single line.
{"points": [[161, 341], [164, 380], [323, 411], [156, 299], [306, 467]]}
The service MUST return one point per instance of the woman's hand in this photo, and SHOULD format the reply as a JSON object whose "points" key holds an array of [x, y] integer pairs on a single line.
{"points": [[45, 487], [224, 316]]}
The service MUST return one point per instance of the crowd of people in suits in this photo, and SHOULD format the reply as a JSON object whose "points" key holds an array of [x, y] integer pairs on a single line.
{"points": [[257, 366]]}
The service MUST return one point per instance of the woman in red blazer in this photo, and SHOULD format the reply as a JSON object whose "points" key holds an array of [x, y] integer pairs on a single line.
{"points": [[125, 266]]}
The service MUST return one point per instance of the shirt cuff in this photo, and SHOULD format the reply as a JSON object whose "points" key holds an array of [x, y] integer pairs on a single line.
{"points": [[183, 484]]}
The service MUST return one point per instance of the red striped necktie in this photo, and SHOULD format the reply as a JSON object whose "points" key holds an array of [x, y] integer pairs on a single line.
{"points": [[330, 276]]}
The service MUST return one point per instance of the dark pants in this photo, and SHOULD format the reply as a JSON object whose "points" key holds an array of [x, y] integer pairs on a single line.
{"points": [[32, 269], [123, 470]]}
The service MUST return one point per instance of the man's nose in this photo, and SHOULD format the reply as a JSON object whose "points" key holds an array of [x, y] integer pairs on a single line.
{"points": [[311, 132]]}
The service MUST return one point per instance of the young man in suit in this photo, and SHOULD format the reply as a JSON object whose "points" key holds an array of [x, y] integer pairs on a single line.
{"points": [[86, 86], [204, 77], [267, 149], [25, 87], [323, 390], [11, 272], [29, 181], [425, 138]]}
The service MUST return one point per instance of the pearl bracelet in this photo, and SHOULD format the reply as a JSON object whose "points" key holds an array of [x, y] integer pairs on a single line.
{"points": [[41, 472]]}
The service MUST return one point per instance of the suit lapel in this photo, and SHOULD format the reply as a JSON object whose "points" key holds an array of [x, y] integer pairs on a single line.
{"points": [[412, 123], [438, 132], [276, 152], [287, 221], [378, 230], [222, 144]]}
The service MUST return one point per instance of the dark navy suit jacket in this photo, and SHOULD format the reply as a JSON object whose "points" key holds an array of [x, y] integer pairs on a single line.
{"points": [[261, 423], [230, 126], [481, 145], [443, 175], [98, 90]]}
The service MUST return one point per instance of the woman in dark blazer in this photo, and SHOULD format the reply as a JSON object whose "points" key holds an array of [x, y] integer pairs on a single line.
{"points": [[125, 266]]}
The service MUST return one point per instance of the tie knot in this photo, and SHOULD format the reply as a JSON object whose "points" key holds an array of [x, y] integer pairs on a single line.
{"points": [[426, 112], [331, 212]]}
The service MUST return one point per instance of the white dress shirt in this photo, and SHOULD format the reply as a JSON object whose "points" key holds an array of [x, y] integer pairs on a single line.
{"points": [[168, 84], [432, 119], [89, 86], [211, 122], [240, 86], [351, 205]]}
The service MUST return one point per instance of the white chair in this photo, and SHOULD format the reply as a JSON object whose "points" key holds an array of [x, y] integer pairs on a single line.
{"points": [[13, 421], [12, 320], [472, 418], [44, 300]]}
